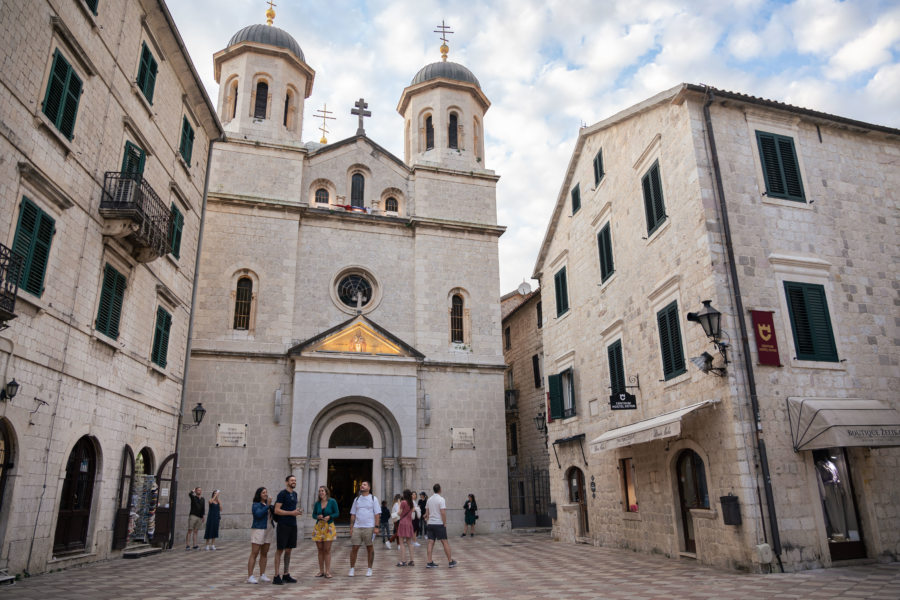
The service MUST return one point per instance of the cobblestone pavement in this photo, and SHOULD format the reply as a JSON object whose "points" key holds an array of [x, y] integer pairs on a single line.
{"points": [[516, 566]]}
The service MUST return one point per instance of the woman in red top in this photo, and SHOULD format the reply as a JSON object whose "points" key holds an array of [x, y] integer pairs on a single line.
{"points": [[405, 529]]}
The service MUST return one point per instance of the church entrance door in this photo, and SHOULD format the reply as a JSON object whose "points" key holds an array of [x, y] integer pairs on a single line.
{"points": [[344, 477]]}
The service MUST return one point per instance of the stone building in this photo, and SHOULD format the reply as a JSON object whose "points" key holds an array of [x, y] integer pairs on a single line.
{"points": [[526, 439], [104, 144], [785, 220], [348, 318]]}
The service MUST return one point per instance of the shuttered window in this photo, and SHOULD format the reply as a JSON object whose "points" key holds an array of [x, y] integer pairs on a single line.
{"points": [[62, 96], [670, 341], [654, 206], [598, 167], [780, 166], [160, 349], [562, 394], [576, 198], [536, 370], [186, 145], [616, 367], [562, 292], [177, 229], [604, 244], [146, 78], [34, 234], [810, 322], [112, 294], [133, 159]]}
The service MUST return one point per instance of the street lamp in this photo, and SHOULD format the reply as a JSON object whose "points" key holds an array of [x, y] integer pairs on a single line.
{"points": [[10, 390], [198, 412], [540, 422], [711, 321]]}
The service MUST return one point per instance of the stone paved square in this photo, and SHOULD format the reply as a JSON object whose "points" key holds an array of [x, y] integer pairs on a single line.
{"points": [[509, 565]]}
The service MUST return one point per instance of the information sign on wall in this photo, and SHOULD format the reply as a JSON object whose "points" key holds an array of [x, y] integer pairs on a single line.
{"points": [[231, 434], [462, 438]]}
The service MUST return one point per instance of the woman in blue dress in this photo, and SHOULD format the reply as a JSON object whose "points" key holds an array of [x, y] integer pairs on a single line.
{"points": [[213, 516]]}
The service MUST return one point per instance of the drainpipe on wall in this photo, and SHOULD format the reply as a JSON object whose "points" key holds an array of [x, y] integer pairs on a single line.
{"points": [[745, 343], [173, 498]]}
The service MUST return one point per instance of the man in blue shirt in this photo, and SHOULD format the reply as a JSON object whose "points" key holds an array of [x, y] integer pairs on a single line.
{"points": [[286, 513]]}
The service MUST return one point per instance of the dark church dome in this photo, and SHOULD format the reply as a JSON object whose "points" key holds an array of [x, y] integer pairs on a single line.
{"points": [[270, 35], [445, 69]]}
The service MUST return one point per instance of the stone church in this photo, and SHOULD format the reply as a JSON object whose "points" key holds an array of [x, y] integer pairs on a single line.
{"points": [[347, 323]]}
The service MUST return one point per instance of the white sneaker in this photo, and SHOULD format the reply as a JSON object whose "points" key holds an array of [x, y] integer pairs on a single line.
{"points": [[252, 579], [368, 572], [387, 545], [264, 578], [207, 547], [212, 547], [416, 544], [351, 573]]}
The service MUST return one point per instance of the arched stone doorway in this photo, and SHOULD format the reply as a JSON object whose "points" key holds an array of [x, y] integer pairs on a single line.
{"points": [[354, 440], [144, 497], [577, 496], [692, 493], [76, 498]]}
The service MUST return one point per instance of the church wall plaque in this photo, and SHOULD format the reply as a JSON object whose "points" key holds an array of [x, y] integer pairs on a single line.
{"points": [[462, 438], [231, 434]]}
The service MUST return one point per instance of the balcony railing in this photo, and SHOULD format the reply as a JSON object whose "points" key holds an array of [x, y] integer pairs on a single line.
{"points": [[10, 273], [512, 399], [144, 219]]}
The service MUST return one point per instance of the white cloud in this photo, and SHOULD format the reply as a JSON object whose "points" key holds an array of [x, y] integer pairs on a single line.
{"points": [[869, 50]]}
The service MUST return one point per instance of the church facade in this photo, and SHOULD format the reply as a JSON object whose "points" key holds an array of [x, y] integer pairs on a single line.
{"points": [[348, 321]]}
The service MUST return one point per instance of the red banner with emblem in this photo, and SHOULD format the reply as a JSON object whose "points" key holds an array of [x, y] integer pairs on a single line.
{"points": [[766, 342]]}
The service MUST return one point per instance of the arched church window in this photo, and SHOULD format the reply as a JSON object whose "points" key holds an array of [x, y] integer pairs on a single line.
{"points": [[262, 99], [350, 435], [452, 132], [242, 301], [287, 109], [390, 205], [354, 290], [322, 196], [429, 133], [234, 98], [357, 190], [456, 319]]}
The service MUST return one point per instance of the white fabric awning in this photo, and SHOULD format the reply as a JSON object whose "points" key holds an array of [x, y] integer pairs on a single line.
{"points": [[659, 427], [841, 422]]}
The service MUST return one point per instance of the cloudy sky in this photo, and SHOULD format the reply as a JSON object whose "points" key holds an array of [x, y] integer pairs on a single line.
{"points": [[550, 66]]}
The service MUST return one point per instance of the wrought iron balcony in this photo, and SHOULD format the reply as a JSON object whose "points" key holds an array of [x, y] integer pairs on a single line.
{"points": [[134, 211], [10, 273], [512, 400]]}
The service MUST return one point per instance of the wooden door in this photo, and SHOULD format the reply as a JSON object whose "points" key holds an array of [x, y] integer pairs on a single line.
{"points": [[123, 500], [76, 498], [165, 503]]}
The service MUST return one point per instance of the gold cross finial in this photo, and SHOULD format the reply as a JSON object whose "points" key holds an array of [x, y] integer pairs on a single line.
{"points": [[270, 12], [323, 113], [443, 29]]}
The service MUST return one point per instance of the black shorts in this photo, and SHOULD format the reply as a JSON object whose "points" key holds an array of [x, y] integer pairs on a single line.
{"points": [[285, 536], [436, 532]]}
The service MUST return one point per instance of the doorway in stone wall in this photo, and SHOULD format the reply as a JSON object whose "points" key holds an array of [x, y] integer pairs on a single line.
{"points": [[692, 493], [76, 499], [845, 541], [575, 481], [344, 477]]}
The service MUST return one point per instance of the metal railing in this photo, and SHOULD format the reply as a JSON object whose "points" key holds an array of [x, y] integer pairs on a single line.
{"points": [[11, 265], [129, 196]]}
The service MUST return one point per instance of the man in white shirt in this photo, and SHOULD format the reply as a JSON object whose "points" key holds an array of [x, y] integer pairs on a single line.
{"points": [[436, 525], [364, 517]]}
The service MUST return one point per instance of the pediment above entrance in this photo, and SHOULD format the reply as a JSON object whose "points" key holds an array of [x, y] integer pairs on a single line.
{"points": [[356, 336]]}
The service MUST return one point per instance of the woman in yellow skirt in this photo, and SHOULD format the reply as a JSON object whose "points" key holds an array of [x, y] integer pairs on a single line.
{"points": [[325, 511]]}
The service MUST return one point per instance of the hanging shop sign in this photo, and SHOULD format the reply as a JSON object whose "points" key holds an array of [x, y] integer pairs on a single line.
{"points": [[623, 401], [766, 342]]}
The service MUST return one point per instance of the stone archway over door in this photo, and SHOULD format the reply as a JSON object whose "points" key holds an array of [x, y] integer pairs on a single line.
{"points": [[76, 498]]}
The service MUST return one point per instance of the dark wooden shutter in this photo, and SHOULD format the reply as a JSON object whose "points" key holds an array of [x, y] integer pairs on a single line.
{"points": [[70, 105], [161, 337], [554, 383], [109, 311], [133, 159], [146, 78], [34, 235], [654, 206], [536, 370], [780, 167], [604, 244], [790, 167], [562, 293], [186, 147], [56, 87], [177, 229], [616, 367], [576, 198], [810, 322], [670, 341], [598, 167]]}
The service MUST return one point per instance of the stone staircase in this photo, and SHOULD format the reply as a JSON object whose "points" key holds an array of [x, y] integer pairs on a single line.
{"points": [[140, 551]]}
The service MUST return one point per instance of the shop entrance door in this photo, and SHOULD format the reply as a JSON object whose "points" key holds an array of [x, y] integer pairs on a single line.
{"points": [[838, 504], [344, 477]]}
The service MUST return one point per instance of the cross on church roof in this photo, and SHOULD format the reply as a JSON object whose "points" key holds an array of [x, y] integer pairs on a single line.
{"points": [[270, 12], [323, 113], [360, 110], [443, 29]]}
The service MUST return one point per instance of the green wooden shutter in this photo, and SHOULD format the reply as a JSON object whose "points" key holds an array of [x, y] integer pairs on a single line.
{"points": [[109, 311], [562, 292], [62, 96], [598, 167], [810, 322], [576, 198], [654, 206], [554, 383], [616, 367], [146, 78], [133, 159], [604, 245], [160, 349], [186, 146], [34, 235], [781, 170], [176, 232], [70, 105], [670, 341]]}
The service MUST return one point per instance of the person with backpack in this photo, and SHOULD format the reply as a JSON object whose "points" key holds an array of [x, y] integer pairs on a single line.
{"points": [[365, 515]]}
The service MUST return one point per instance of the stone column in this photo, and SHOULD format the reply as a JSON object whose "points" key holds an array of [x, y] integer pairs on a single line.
{"points": [[408, 470], [388, 479], [298, 470], [312, 482]]}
